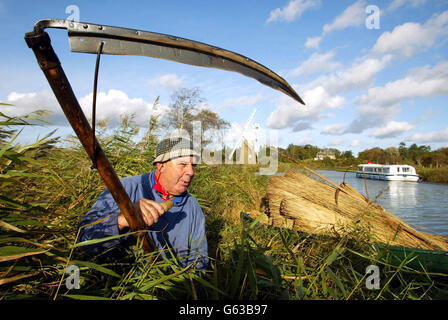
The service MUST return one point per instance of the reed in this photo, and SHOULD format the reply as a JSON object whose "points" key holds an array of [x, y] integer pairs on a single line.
{"points": [[44, 196], [439, 175], [320, 207]]}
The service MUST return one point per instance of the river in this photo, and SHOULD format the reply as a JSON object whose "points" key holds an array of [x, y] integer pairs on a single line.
{"points": [[423, 206]]}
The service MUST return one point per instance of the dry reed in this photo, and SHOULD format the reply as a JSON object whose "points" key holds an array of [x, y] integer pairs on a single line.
{"points": [[300, 202]]}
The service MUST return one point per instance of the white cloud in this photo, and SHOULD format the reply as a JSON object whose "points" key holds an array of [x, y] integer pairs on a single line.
{"points": [[305, 141], [168, 81], [420, 82], [355, 143], [313, 42], [316, 63], [381, 104], [289, 112], [395, 4], [336, 142], [434, 136], [301, 126], [372, 116], [243, 100], [25, 103], [115, 103], [324, 93], [392, 129], [353, 16], [409, 38], [110, 105], [293, 10], [319, 99], [334, 129], [359, 75]]}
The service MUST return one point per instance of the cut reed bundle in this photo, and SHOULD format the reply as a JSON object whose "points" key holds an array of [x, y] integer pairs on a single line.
{"points": [[299, 202]]}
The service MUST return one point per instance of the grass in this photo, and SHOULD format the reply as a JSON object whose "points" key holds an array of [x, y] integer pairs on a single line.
{"points": [[46, 191]]}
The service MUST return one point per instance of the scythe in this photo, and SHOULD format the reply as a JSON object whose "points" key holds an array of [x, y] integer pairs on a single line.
{"points": [[101, 39]]}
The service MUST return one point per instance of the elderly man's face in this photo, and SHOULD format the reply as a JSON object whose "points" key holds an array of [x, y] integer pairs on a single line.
{"points": [[176, 175]]}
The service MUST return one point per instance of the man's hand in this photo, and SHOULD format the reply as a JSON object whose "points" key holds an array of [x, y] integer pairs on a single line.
{"points": [[149, 210]]}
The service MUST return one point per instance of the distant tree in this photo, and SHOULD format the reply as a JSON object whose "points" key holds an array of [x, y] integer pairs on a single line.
{"points": [[310, 151], [187, 105], [415, 152], [439, 158], [375, 155], [443, 156], [347, 154], [426, 159], [183, 103], [443, 150], [210, 123], [392, 155], [290, 150], [403, 151]]}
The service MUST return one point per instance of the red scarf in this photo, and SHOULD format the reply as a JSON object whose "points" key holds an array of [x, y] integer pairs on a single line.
{"points": [[158, 187]]}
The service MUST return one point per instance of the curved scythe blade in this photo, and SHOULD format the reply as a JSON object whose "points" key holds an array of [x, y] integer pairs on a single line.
{"points": [[86, 37]]}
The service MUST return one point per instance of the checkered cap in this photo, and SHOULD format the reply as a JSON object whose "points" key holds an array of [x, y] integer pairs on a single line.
{"points": [[174, 147]]}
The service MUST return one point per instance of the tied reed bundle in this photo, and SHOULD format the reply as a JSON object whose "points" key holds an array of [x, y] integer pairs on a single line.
{"points": [[299, 202]]}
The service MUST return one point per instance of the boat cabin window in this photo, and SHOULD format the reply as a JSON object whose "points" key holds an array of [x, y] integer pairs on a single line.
{"points": [[360, 168], [386, 170], [405, 169], [398, 169]]}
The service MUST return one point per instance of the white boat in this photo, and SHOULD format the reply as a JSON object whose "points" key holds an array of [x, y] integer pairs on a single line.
{"points": [[387, 172]]}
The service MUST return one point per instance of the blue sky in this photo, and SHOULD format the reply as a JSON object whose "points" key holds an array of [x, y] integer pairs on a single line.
{"points": [[363, 87]]}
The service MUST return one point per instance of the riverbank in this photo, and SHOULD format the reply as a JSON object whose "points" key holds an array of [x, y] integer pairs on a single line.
{"points": [[439, 175]]}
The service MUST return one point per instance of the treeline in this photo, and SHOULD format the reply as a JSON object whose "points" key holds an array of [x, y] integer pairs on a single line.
{"points": [[413, 155], [310, 152], [421, 156]]}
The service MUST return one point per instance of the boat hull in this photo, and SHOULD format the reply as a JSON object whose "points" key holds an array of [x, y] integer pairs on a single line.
{"points": [[385, 177]]}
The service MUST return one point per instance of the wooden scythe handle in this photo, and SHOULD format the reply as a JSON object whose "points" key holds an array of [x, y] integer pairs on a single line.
{"points": [[167, 205], [40, 43]]}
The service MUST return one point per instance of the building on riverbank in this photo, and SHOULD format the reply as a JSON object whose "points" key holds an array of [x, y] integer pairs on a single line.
{"points": [[326, 153]]}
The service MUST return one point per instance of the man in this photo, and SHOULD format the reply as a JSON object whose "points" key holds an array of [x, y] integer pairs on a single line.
{"points": [[181, 229]]}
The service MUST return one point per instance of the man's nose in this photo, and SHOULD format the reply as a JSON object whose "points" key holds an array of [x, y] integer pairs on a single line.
{"points": [[189, 170]]}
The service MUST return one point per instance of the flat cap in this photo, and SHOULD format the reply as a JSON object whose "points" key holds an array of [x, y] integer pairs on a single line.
{"points": [[175, 147]]}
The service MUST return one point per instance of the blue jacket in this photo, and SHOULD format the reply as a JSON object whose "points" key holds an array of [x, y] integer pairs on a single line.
{"points": [[182, 228]]}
